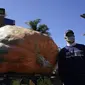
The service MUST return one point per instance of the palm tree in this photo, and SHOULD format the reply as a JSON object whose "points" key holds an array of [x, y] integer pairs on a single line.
{"points": [[83, 34], [83, 15], [42, 28]]}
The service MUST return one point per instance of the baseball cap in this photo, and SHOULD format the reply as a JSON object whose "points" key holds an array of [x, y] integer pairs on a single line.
{"points": [[69, 33]]}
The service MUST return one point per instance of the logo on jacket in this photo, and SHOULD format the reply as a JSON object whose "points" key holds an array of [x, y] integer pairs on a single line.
{"points": [[74, 53]]}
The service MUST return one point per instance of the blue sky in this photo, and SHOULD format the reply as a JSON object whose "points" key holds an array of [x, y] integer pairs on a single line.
{"points": [[59, 15]]}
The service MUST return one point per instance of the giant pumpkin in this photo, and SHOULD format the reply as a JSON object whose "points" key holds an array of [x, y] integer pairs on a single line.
{"points": [[19, 48]]}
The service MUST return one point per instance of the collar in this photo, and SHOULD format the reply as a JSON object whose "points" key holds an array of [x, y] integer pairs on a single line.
{"points": [[71, 44]]}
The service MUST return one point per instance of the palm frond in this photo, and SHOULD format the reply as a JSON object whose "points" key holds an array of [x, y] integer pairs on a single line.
{"points": [[83, 15], [37, 21], [83, 34], [43, 28]]}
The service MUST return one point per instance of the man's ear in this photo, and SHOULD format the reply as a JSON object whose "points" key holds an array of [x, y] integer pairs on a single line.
{"points": [[65, 37]]}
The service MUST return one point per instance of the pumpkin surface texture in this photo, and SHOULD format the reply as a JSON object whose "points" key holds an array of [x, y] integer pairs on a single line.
{"points": [[20, 47]]}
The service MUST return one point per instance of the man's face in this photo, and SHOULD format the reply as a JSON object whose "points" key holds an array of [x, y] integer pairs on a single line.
{"points": [[70, 38]]}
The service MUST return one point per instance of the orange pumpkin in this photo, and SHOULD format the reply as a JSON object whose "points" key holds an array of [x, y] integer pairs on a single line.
{"points": [[22, 46]]}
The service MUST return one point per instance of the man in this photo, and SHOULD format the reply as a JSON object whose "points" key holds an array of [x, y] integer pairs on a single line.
{"points": [[71, 61]]}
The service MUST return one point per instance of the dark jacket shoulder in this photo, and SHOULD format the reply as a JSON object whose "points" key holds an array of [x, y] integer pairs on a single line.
{"points": [[80, 44]]}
